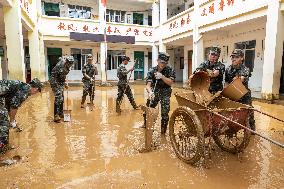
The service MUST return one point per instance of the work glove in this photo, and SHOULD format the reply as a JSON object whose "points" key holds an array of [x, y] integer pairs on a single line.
{"points": [[14, 124], [158, 75], [210, 72]]}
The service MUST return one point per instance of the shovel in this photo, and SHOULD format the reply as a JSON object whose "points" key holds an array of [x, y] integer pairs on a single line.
{"points": [[151, 116], [67, 112]]}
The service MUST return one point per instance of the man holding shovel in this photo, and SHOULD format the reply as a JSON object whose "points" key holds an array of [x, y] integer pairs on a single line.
{"points": [[214, 68], [123, 85], [158, 85], [57, 83], [89, 71], [238, 70], [12, 95]]}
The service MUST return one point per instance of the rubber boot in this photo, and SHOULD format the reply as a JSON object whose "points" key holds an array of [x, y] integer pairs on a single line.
{"points": [[117, 108], [134, 105], [61, 115], [57, 119], [83, 101]]}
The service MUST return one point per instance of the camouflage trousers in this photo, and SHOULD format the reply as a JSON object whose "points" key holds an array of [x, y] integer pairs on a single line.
{"points": [[124, 89], [247, 100], [4, 122], [88, 90], [59, 99], [165, 107]]}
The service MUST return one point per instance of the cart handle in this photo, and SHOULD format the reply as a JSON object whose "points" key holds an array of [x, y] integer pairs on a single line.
{"points": [[266, 138], [268, 115]]}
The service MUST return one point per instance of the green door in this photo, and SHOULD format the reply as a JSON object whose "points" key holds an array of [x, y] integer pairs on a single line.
{"points": [[53, 55], [138, 18], [139, 66]]}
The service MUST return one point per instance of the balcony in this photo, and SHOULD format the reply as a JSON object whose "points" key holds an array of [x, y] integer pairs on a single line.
{"points": [[54, 27]]}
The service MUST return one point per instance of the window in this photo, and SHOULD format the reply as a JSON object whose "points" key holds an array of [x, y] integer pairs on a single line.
{"points": [[76, 11], [51, 9], [115, 16], [249, 52], [80, 57], [138, 18], [114, 59]]}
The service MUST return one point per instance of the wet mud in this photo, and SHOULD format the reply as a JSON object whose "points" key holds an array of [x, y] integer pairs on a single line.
{"points": [[99, 149]]}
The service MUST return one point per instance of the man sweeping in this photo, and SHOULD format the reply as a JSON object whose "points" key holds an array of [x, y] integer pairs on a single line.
{"points": [[57, 83], [123, 85]]}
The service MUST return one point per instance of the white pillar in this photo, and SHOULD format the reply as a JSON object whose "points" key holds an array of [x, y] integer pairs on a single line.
{"points": [[185, 68], [273, 51], [198, 49], [14, 41], [43, 67], [103, 58], [163, 11], [162, 47], [155, 14], [146, 67], [34, 50], [155, 52], [103, 46]]}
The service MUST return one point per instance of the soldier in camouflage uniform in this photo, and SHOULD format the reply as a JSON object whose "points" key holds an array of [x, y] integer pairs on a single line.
{"points": [[238, 69], [89, 71], [163, 76], [57, 83], [215, 70], [123, 86], [12, 95]]}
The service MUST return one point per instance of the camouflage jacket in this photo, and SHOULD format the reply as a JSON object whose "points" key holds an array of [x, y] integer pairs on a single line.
{"points": [[216, 82], [90, 70], [14, 92], [232, 72], [59, 73], [122, 74], [161, 85]]}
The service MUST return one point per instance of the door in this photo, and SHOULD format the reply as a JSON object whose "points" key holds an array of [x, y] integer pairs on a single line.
{"points": [[139, 66], [53, 55], [189, 63]]}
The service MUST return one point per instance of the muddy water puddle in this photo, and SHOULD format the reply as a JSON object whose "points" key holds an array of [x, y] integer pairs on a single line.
{"points": [[99, 149]]}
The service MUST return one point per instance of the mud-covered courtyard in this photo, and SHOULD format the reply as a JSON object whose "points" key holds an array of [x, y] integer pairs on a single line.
{"points": [[99, 149]]}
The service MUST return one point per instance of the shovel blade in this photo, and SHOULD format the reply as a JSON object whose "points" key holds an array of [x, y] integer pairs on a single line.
{"points": [[67, 115]]}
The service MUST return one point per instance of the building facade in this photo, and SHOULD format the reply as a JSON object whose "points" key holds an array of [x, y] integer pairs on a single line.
{"points": [[35, 33]]}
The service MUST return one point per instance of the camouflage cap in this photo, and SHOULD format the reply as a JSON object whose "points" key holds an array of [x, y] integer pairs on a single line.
{"points": [[123, 58], [164, 57], [215, 50], [89, 56], [35, 83], [238, 52]]}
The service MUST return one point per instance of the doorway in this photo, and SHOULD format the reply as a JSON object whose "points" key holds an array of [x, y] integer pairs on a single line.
{"points": [[139, 66], [189, 55], [53, 55]]}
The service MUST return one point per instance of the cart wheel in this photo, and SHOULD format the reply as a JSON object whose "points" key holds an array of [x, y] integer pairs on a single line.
{"points": [[231, 140], [186, 135]]}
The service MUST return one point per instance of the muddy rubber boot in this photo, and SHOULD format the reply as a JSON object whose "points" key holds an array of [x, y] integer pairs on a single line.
{"points": [[117, 108], [57, 119], [163, 129], [83, 101]]}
